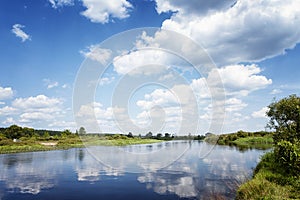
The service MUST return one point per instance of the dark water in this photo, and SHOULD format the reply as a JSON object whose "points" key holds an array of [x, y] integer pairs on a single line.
{"points": [[172, 170]]}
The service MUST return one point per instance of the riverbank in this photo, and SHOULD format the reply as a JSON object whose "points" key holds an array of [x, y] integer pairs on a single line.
{"points": [[270, 181], [73, 141], [243, 140]]}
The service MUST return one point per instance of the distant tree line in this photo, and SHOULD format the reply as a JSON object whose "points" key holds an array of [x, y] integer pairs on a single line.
{"points": [[17, 132]]}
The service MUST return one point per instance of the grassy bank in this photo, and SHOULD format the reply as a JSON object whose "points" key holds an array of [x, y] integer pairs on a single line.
{"points": [[270, 181], [259, 140], [255, 142], [72, 141]]}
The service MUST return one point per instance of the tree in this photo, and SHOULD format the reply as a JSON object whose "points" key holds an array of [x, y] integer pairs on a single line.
{"points": [[285, 118], [82, 131], [66, 133], [14, 132], [149, 135], [159, 135], [130, 135], [167, 135]]}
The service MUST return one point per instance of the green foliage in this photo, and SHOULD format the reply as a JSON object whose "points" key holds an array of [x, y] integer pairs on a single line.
{"points": [[130, 135], [14, 131], [199, 137], [66, 133], [242, 139], [82, 131], [285, 118], [270, 182], [277, 174], [288, 156], [149, 135]]}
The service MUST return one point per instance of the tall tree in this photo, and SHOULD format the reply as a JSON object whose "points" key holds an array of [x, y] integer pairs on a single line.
{"points": [[82, 131], [285, 118]]}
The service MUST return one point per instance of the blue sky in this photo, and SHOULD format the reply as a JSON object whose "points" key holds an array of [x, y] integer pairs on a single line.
{"points": [[43, 45]]}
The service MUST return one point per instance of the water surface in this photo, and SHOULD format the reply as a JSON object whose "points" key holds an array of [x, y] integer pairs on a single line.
{"points": [[170, 170]]}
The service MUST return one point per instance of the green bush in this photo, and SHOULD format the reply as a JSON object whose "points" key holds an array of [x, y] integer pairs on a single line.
{"points": [[288, 156]]}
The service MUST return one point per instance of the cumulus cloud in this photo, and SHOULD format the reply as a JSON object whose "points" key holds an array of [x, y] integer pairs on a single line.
{"points": [[238, 33], [34, 110], [7, 110], [260, 113], [35, 116], [50, 84], [95, 117], [38, 102], [60, 3], [9, 121], [6, 93], [240, 79], [199, 7], [95, 52], [17, 30], [237, 80], [104, 11], [106, 80], [234, 104], [37, 108], [276, 91], [144, 62]]}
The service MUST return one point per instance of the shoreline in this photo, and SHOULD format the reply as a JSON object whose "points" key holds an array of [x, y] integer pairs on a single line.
{"points": [[62, 145]]}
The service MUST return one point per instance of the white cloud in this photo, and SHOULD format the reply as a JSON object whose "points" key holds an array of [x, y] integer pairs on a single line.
{"points": [[95, 52], [144, 62], [260, 113], [240, 79], [9, 121], [60, 3], [35, 116], [241, 33], [64, 86], [162, 97], [6, 93], [70, 125], [234, 104], [17, 30], [104, 11], [7, 110], [276, 91], [50, 84], [200, 88], [94, 117], [199, 7], [37, 111], [106, 80], [41, 102], [237, 80]]}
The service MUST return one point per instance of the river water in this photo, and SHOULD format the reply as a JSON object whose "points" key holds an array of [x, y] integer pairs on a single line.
{"points": [[168, 170]]}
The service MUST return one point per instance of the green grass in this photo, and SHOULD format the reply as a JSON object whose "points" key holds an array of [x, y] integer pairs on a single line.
{"points": [[255, 142], [31, 145], [270, 182], [88, 141]]}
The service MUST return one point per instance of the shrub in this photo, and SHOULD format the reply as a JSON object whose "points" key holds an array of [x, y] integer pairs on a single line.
{"points": [[288, 156]]}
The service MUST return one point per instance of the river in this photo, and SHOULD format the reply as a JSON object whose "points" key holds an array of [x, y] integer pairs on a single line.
{"points": [[168, 170]]}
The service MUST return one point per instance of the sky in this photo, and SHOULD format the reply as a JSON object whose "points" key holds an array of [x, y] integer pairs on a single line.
{"points": [[146, 65]]}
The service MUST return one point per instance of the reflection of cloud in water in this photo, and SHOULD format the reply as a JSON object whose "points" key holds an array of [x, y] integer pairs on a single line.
{"points": [[163, 183], [89, 169], [139, 158], [28, 172], [192, 177], [31, 187]]}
